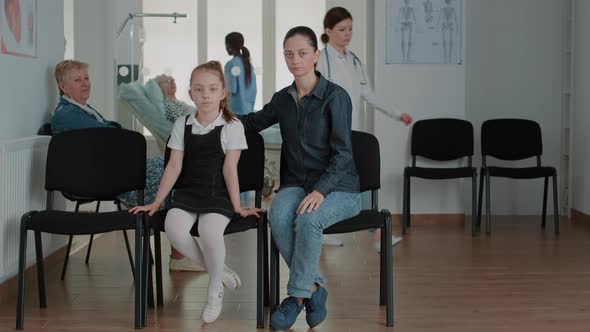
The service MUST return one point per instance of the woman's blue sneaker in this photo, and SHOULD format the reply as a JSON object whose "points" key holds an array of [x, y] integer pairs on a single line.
{"points": [[286, 314], [315, 307]]}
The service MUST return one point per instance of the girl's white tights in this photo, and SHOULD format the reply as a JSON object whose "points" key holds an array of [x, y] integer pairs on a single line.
{"points": [[211, 227]]}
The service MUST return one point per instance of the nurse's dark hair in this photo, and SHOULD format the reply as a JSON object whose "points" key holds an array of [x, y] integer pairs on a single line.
{"points": [[215, 67], [333, 17], [305, 32], [235, 40]]}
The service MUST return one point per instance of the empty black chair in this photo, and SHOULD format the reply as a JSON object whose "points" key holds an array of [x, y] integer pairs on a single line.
{"points": [[368, 163], [440, 140], [98, 163], [514, 139], [45, 130], [251, 178]]}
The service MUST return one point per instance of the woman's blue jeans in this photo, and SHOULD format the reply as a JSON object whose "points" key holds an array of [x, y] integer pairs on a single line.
{"points": [[299, 236]]}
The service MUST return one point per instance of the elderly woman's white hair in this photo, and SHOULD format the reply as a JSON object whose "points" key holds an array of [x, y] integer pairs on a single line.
{"points": [[63, 68]]}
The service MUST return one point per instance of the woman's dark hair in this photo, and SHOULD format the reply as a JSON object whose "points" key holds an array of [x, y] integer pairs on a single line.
{"points": [[333, 17], [305, 32], [235, 40]]}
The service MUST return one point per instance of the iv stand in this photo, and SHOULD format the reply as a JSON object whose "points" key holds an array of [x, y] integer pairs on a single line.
{"points": [[130, 18]]}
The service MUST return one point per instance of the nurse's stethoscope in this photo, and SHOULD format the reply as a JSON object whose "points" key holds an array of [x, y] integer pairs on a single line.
{"points": [[355, 61]]}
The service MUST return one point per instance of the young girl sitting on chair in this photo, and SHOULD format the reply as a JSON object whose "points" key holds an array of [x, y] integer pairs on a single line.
{"points": [[207, 146]]}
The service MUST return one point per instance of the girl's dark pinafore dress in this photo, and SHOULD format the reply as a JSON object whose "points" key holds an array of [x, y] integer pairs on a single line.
{"points": [[201, 187]]}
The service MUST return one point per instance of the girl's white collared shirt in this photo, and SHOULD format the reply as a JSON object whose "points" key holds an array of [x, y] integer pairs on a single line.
{"points": [[232, 134]]}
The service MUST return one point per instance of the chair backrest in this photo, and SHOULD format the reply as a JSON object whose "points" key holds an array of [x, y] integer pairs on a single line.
{"points": [[45, 130], [250, 166], [96, 162], [367, 158], [511, 139], [442, 139]]}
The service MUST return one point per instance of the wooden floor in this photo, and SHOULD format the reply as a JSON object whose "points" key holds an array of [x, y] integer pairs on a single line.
{"points": [[519, 279]]}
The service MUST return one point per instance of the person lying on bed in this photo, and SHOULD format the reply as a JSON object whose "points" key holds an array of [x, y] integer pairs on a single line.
{"points": [[173, 108]]}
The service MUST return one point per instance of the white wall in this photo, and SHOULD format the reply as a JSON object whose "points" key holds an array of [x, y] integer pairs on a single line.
{"points": [[28, 93], [95, 24], [28, 90], [581, 199], [514, 70], [424, 91]]}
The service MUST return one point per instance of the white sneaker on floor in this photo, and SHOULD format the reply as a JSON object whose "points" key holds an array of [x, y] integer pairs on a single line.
{"points": [[212, 308], [184, 264], [230, 278], [394, 240], [330, 240]]}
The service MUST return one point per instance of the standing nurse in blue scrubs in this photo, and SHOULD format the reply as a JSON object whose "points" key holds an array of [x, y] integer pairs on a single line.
{"points": [[239, 75], [240, 80]]}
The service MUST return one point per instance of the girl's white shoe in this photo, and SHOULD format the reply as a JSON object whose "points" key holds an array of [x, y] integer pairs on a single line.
{"points": [[230, 278], [212, 308]]}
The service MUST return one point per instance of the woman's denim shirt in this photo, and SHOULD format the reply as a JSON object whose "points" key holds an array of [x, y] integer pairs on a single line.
{"points": [[316, 135]]}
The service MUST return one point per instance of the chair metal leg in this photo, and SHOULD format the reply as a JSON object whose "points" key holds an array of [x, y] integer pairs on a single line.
{"points": [[382, 267], [488, 207], [40, 270], [150, 278], [147, 283], [555, 205], [388, 270], [67, 258], [408, 220], [480, 200], [274, 276], [473, 203], [89, 249], [266, 271], [260, 275], [544, 213], [129, 252], [139, 305], [405, 212], [158, 254], [22, 259], [68, 248]]}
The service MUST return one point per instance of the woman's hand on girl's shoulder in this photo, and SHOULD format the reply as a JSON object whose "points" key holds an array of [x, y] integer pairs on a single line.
{"points": [[150, 209], [250, 212]]}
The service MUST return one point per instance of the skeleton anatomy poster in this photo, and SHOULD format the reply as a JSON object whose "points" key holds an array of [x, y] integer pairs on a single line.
{"points": [[424, 31]]}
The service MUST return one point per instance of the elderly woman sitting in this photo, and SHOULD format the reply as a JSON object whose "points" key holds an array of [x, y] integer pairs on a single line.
{"points": [[73, 112]]}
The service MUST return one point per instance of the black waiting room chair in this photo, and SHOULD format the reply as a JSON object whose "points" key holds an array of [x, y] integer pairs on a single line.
{"points": [[514, 139], [368, 163], [45, 130], [440, 140], [251, 178], [99, 163]]}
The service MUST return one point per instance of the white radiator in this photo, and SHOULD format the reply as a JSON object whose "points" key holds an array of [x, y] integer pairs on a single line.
{"points": [[22, 185]]}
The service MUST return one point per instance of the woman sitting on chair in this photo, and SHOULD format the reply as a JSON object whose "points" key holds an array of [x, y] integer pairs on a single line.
{"points": [[73, 112]]}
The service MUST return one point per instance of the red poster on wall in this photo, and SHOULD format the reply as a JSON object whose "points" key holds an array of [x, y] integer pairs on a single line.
{"points": [[18, 27]]}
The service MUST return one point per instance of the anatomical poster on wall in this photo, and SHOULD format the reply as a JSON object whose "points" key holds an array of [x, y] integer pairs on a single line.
{"points": [[424, 31], [18, 27]]}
